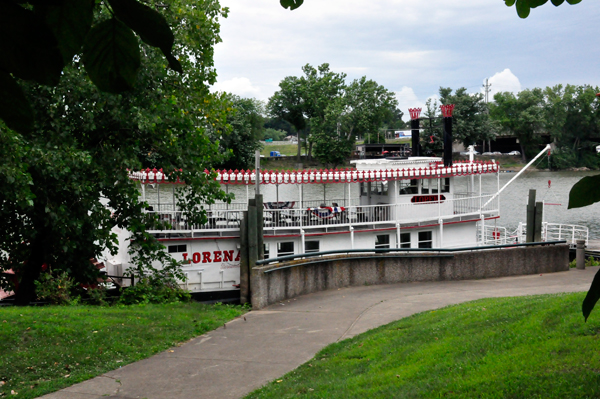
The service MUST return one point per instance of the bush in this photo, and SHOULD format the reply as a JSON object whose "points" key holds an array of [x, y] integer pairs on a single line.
{"points": [[56, 288], [153, 290]]}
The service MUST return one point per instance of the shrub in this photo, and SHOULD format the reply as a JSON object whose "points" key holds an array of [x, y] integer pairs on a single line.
{"points": [[56, 288], [153, 290]]}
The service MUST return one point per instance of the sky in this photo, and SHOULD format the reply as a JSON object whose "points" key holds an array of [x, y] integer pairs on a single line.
{"points": [[411, 47]]}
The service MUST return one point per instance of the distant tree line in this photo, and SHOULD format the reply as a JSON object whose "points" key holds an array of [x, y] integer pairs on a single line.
{"points": [[569, 114]]}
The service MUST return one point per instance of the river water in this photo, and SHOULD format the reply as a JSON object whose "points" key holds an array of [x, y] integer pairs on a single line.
{"points": [[551, 187]]}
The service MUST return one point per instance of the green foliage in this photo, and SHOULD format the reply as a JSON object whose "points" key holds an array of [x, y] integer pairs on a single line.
{"points": [[152, 290], [431, 137], [524, 6], [97, 295], [334, 112], [242, 140], [523, 347], [471, 120], [52, 347], [291, 4], [274, 134], [41, 39], [55, 288], [592, 297], [65, 183], [585, 192], [521, 115]]}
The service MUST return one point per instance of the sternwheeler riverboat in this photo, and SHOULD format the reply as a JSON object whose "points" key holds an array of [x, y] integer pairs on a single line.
{"points": [[410, 202]]}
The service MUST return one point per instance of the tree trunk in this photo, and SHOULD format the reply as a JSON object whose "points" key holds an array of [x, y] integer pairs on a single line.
{"points": [[299, 148], [310, 145], [31, 272]]}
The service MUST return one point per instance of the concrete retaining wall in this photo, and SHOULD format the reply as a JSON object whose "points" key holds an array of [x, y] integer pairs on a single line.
{"points": [[340, 271]]}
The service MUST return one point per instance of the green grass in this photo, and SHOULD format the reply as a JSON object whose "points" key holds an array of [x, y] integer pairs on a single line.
{"points": [[528, 347], [284, 149], [43, 349]]}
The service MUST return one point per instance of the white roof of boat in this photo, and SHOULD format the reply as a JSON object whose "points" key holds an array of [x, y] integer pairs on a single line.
{"points": [[386, 163], [366, 171]]}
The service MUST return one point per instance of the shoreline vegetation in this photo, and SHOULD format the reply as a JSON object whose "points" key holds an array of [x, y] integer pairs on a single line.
{"points": [[288, 161]]}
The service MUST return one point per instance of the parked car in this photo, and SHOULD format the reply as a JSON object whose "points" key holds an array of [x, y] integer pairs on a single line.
{"points": [[487, 153], [514, 153]]}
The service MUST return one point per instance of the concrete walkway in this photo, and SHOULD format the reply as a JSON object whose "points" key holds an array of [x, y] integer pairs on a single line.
{"points": [[247, 353]]}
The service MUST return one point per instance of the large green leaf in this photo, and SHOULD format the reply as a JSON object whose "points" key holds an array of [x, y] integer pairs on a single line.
{"points": [[149, 24], [70, 22], [111, 56], [592, 297], [28, 48], [15, 110], [557, 2], [585, 192], [291, 4], [523, 8]]}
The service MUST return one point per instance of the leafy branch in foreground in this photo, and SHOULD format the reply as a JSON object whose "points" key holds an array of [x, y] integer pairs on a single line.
{"points": [[524, 6], [586, 192], [39, 39]]}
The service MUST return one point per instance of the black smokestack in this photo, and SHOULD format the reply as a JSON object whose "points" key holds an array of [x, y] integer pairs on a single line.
{"points": [[414, 126], [447, 113]]}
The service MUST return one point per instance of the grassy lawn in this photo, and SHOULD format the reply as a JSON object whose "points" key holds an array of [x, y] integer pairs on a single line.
{"points": [[43, 349], [528, 347], [284, 149]]}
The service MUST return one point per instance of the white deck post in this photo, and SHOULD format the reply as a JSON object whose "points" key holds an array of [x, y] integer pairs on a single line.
{"points": [[441, 221], [397, 235], [351, 237]]}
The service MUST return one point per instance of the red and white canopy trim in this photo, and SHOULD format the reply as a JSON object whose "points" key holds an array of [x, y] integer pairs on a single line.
{"points": [[321, 176], [152, 176]]}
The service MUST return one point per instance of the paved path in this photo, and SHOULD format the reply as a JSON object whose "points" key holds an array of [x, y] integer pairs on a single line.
{"points": [[234, 360]]}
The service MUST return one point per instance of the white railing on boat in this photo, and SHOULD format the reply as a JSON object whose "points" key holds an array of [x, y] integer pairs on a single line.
{"points": [[318, 216], [494, 235]]}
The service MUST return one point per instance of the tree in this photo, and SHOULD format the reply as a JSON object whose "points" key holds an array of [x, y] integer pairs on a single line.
{"points": [[65, 184], [522, 115], [38, 39], [471, 121], [524, 6], [573, 121], [242, 140], [432, 133], [288, 104]]}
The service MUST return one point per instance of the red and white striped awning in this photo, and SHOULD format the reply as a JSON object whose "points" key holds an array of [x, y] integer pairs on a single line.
{"points": [[322, 176]]}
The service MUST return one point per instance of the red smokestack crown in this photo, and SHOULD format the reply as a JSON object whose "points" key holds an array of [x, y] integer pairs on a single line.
{"points": [[414, 113], [447, 110]]}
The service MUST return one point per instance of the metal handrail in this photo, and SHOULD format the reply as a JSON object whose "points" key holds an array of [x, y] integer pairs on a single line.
{"points": [[388, 250]]}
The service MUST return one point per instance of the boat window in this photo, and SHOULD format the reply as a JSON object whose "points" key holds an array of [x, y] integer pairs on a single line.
{"points": [[363, 189], [446, 185], [404, 240], [379, 188], [425, 239], [430, 186], [311, 246], [266, 250], [177, 248], [408, 187], [382, 241], [285, 248]]}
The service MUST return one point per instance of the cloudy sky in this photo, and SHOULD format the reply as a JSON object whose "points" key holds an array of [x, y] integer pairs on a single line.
{"points": [[411, 47]]}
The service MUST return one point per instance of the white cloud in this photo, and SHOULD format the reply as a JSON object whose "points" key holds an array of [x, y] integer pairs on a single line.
{"points": [[240, 86], [503, 81], [408, 99]]}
